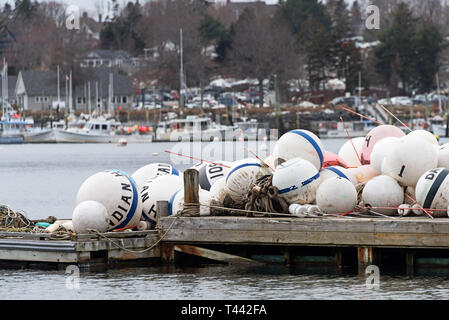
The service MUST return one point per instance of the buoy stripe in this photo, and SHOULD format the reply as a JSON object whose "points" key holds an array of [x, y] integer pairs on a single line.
{"points": [[133, 208], [204, 181], [338, 172], [241, 166], [170, 203], [434, 188], [303, 184], [313, 143]]}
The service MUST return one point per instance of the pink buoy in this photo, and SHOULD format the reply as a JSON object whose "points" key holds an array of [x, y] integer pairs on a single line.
{"points": [[332, 160], [364, 173], [376, 135]]}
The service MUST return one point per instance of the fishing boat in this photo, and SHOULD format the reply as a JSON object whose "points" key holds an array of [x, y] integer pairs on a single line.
{"points": [[338, 130], [96, 130], [11, 131], [250, 129], [193, 128]]}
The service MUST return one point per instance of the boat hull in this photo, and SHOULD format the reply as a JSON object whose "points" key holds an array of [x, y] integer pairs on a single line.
{"points": [[64, 136], [11, 139], [45, 136]]}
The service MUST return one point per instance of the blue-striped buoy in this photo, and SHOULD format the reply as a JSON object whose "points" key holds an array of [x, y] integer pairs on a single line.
{"points": [[242, 175], [118, 193], [159, 189], [299, 144], [337, 171], [297, 181], [432, 190], [151, 171]]}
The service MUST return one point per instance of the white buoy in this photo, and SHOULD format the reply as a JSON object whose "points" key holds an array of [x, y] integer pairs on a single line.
{"points": [[90, 215], [199, 165], [409, 193], [416, 209], [298, 209], [299, 144], [424, 134], [242, 175], [383, 191], [159, 189], [443, 156], [176, 203], [381, 149], [349, 155], [404, 209], [122, 142], [217, 189], [411, 157], [144, 225], [151, 171], [297, 181], [118, 192], [212, 172], [336, 171], [336, 196], [432, 190]]}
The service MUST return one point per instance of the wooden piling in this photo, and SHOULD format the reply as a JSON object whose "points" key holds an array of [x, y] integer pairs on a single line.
{"points": [[191, 192], [410, 262], [366, 256], [161, 210]]}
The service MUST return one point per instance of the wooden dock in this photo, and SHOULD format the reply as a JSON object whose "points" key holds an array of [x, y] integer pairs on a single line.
{"points": [[337, 244], [40, 249], [402, 243], [406, 244]]}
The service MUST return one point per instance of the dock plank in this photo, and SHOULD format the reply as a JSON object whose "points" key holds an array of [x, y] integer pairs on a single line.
{"points": [[404, 232]]}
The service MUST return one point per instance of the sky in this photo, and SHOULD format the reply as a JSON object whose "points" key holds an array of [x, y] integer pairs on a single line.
{"points": [[91, 5]]}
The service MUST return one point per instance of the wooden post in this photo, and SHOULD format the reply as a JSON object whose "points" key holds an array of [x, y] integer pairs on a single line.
{"points": [[366, 256], [410, 262], [338, 259], [161, 210], [191, 192]]}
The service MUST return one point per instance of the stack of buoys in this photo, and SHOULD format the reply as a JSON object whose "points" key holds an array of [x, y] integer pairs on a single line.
{"points": [[385, 173]]}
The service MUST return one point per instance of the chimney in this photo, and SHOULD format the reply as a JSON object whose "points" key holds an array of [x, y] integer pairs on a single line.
{"points": [[84, 14], [100, 17]]}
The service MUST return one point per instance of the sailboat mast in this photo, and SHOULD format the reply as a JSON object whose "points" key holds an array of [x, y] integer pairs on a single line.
{"points": [[181, 74], [59, 93]]}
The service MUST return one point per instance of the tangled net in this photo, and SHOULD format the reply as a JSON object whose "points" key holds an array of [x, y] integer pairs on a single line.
{"points": [[263, 197]]}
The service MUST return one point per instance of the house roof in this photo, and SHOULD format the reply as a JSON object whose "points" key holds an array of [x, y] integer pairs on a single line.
{"points": [[122, 83], [44, 83], [40, 83], [107, 54], [12, 81]]}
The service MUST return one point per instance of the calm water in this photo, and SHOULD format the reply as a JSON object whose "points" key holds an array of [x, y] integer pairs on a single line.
{"points": [[43, 180]]}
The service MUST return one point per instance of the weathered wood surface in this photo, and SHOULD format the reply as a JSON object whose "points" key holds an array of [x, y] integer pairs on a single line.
{"points": [[359, 232], [212, 254], [118, 246]]}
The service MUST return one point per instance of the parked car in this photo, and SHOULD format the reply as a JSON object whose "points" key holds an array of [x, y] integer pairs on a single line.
{"points": [[396, 101], [352, 101]]}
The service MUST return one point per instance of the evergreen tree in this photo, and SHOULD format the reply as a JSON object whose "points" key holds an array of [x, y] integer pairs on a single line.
{"points": [[356, 18], [312, 26], [396, 55], [429, 44]]}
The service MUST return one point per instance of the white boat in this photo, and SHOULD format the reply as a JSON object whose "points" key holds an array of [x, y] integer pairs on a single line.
{"points": [[12, 127], [193, 128], [250, 130], [100, 130], [338, 130]]}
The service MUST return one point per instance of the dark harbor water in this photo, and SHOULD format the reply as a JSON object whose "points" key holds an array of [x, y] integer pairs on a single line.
{"points": [[42, 180]]}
